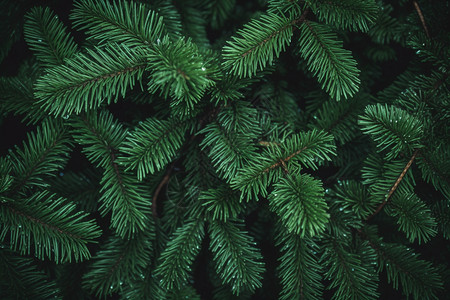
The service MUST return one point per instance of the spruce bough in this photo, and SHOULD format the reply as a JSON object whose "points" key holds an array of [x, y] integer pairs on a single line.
{"points": [[209, 149]]}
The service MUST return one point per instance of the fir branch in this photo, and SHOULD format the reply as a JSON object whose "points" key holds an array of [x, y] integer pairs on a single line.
{"points": [[333, 65], [112, 22], [261, 41], [87, 80], [299, 269], [237, 261], [299, 202], [180, 71], [305, 148], [394, 129], [355, 196], [394, 187], [118, 263], [102, 136], [404, 267], [346, 14], [347, 274], [152, 145], [175, 262], [229, 150], [435, 167], [40, 157], [171, 17], [57, 231], [221, 203], [47, 37], [414, 217]]}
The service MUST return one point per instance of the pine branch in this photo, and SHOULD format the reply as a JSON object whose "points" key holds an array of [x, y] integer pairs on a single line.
{"points": [[303, 148], [392, 128], [221, 203], [299, 269], [354, 195], [333, 65], [41, 156], [171, 17], [347, 274], [180, 71], [394, 187], [413, 217], [175, 262], [229, 151], [102, 136], [261, 41], [152, 145], [47, 36], [52, 225], [118, 263], [237, 261], [112, 22], [89, 79], [346, 14], [299, 202], [434, 165], [404, 268]]}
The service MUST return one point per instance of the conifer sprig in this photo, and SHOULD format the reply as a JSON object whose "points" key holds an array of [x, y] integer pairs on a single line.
{"points": [[129, 200], [130, 23], [262, 40], [299, 202], [179, 71], [404, 268], [90, 79], [413, 216], [347, 274], [334, 66], [152, 145], [175, 263], [392, 128], [237, 261], [45, 152], [47, 226], [118, 263], [47, 36], [306, 148], [346, 14], [22, 278], [299, 270]]}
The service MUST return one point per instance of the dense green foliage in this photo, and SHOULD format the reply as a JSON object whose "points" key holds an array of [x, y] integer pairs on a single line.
{"points": [[215, 149]]}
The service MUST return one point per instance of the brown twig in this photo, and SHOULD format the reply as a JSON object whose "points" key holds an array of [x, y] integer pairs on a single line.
{"points": [[163, 182], [422, 19], [394, 187]]}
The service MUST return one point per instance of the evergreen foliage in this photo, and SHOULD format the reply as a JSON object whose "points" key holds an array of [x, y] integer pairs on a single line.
{"points": [[215, 149]]}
